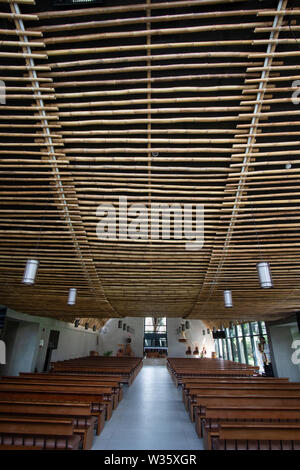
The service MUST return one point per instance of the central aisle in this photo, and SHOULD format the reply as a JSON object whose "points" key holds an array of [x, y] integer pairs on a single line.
{"points": [[150, 416]]}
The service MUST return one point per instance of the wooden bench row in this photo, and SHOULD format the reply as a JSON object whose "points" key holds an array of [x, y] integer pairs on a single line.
{"points": [[181, 369], [33, 405], [126, 367], [240, 413]]}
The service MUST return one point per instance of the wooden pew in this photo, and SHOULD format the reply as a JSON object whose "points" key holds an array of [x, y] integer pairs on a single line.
{"points": [[98, 406], [91, 379], [104, 395], [54, 434], [127, 367], [258, 436], [180, 368], [241, 393], [80, 412], [206, 401], [14, 448], [66, 383], [235, 389], [215, 416], [190, 388], [183, 374]]}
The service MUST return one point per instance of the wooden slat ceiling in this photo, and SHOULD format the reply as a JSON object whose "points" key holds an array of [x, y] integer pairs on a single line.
{"points": [[182, 101]]}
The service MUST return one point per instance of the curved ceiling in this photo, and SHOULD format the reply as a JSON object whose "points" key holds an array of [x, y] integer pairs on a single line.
{"points": [[187, 102]]}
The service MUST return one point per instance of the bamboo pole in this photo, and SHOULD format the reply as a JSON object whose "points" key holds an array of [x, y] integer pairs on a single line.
{"points": [[130, 8], [129, 59]]}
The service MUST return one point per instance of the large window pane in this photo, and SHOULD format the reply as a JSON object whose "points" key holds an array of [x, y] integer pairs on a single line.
{"points": [[217, 348], [221, 348], [235, 350], [241, 344], [249, 351], [255, 329], [229, 355], [155, 325], [263, 327], [239, 330], [245, 328], [231, 332], [224, 349]]}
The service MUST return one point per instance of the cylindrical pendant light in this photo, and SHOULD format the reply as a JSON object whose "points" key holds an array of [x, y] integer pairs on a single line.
{"points": [[227, 298], [30, 271], [264, 274], [72, 296]]}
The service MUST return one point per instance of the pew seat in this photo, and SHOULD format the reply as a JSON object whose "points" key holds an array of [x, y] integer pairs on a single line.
{"points": [[257, 436], [45, 433]]}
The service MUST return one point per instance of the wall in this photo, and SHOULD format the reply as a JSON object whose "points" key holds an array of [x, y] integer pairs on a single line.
{"points": [[282, 337], [111, 336], [24, 333], [23, 337], [194, 337]]}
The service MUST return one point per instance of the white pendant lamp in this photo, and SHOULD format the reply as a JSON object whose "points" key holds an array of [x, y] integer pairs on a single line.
{"points": [[30, 271], [72, 296], [227, 298], [264, 274]]}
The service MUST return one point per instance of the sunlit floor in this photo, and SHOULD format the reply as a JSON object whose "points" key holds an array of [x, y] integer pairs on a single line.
{"points": [[150, 416]]}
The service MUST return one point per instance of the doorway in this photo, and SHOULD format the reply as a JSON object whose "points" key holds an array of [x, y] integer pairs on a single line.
{"points": [[155, 337], [52, 344]]}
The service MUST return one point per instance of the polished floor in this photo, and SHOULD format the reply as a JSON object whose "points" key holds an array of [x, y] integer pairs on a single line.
{"points": [[150, 416]]}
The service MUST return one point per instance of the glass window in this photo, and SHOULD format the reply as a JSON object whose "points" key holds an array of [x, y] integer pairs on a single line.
{"points": [[234, 349], [231, 332], [242, 351], [217, 348], [255, 329], [245, 328], [229, 351], [225, 356], [221, 348], [263, 327], [249, 352], [155, 325], [239, 330]]}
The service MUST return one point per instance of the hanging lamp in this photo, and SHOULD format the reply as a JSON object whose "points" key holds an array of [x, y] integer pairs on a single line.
{"points": [[30, 271], [264, 274], [72, 296], [228, 298]]}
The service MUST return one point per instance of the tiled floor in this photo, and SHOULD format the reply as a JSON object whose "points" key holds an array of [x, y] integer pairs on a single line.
{"points": [[150, 416]]}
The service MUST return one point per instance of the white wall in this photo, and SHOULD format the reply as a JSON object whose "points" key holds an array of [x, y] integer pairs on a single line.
{"points": [[25, 332], [111, 336], [194, 337], [26, 354], [282, 337]]}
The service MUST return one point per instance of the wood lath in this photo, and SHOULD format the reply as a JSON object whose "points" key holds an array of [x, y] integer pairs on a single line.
{"points": [[162, 102]]}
